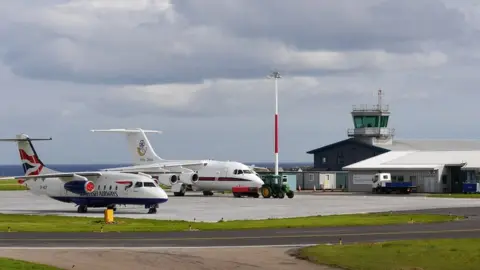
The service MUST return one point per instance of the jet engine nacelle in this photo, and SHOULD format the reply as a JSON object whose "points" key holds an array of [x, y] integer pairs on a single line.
{"points": [[189, 178], [80, 186], [168, 179]]}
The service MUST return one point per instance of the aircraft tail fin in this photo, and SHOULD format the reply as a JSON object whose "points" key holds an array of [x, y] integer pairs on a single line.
{"points": [[139, 146], [31, 162]]}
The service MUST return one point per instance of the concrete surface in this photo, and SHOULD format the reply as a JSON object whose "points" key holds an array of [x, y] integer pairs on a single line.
{"points": [[175, 259], [216, 207]]}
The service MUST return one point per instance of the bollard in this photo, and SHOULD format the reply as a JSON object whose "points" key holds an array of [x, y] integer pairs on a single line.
{"points": [[9, 229], [340, 241], [101, 229]]}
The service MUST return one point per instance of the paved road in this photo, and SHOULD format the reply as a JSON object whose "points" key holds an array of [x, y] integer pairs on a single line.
{"points": [[456, 229], [298, 236]]}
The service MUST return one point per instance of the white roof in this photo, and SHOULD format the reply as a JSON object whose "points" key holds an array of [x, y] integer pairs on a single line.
{"points": [[433, 145], [419, 160]]}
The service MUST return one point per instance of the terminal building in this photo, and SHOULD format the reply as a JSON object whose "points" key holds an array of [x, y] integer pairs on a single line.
{"points": [[434, 166]]}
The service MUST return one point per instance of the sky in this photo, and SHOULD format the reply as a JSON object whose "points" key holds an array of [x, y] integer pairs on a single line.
{"points": [[197, 71]]}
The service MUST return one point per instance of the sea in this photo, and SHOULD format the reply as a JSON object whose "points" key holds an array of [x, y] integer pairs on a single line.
{"points": [[13, 170]]}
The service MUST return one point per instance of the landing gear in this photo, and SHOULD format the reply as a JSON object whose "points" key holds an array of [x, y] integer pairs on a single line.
{"points": [[82, 209], [208, 193], [153, 209], [179, 189]]}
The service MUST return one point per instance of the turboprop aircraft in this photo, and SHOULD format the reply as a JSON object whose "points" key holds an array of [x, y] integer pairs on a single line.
{"points": [[200, 175], [86, 189]]}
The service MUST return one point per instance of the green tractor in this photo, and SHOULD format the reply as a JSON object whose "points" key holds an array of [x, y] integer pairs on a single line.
{"points": [[275, 186]]}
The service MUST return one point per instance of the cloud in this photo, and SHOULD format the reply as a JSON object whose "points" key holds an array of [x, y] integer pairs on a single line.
{"points": [[153, 42], [67, 66]]}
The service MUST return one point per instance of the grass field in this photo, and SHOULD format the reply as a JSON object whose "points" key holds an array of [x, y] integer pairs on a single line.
{"points": [[31, 223], [11, 185], [445, 254], [10, 264], [456, 195]]}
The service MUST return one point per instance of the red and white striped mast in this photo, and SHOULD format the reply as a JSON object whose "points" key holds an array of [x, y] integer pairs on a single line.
{"points": [[276, 75]]}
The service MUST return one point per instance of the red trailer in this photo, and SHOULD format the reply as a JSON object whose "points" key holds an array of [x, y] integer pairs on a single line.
{"points": [[245, 191]]}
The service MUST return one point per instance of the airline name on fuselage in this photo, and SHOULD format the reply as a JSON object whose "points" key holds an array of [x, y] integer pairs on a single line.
{"points": [[102, 193]]}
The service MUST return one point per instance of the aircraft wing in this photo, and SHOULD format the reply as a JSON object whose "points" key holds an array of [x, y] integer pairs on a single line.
{"points": [[62, 176], [166, 167]]}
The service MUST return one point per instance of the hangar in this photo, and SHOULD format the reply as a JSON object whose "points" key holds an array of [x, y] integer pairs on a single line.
{"points": [[433, 165], [433, 171]]}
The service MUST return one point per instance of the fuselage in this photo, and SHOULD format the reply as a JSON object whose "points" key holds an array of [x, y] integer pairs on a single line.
{"points": [[110, 188], [223, 175], [214, 176]]}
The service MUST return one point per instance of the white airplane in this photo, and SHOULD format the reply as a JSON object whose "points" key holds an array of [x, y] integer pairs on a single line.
{"points": [[86, 189], [200, 175]]}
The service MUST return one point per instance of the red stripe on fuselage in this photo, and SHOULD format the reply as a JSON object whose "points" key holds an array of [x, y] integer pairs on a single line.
{"points": [[123, 182], [226, 179]]}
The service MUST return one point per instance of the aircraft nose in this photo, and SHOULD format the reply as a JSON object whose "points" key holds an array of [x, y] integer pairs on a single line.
{"points": [[258, 181], [162, 195]]}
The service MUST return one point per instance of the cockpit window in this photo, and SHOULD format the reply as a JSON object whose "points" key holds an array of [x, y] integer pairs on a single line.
{"points": [[247, 171], [138, 184], [148, 184]]}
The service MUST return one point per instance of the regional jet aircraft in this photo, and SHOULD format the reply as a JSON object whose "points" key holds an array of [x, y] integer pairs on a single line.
{"points": [[86, 189], [200, 175]]}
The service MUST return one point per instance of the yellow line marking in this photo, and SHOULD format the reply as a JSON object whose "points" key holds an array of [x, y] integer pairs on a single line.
{"points": [[240, 237]]}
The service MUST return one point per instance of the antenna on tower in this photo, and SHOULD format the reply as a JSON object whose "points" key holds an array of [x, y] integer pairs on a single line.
{"points": [[380, 94]]}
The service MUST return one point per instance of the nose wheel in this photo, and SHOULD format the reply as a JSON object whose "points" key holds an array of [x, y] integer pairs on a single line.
{"points": [[153, 209]]}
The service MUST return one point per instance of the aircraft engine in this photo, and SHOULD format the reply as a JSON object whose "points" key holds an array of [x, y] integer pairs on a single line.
{"points": [[189, 178], [168, 179], [80, 187]]}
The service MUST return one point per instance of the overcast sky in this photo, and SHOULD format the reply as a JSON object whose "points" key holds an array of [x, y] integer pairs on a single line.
{"points": [[196, 70]]}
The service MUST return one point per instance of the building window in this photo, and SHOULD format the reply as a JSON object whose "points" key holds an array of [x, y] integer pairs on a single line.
{"points": [[400, 178], [413, 178], [310, 177], [394, 178], [340, 160], [324, 160]]}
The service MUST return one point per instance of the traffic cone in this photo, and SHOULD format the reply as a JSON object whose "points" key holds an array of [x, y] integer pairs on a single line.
{"points": [[314, 188]]}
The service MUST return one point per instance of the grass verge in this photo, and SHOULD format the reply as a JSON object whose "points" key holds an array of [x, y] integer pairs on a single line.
{"points": [[12, 264], [37, 223], [441, 254], [456, 195], [11, 185]]}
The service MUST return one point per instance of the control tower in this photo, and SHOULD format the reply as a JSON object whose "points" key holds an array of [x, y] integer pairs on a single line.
{"points": [[371, 123]]}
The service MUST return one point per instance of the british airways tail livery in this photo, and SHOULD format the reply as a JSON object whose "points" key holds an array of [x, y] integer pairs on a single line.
{"points": [[200, 175], [85, 189]]}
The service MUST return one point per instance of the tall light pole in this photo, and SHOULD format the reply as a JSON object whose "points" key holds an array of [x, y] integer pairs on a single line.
{"points": [[276, 75]]}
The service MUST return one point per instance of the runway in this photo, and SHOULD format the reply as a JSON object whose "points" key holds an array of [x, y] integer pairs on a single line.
{"points": [[273, 237]]}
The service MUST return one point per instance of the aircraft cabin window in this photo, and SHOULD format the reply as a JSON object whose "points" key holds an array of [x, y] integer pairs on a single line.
{"points": [[138, 184], [104, 187], [247, 171], [116, 187], [148, 184], [110, 187]]}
